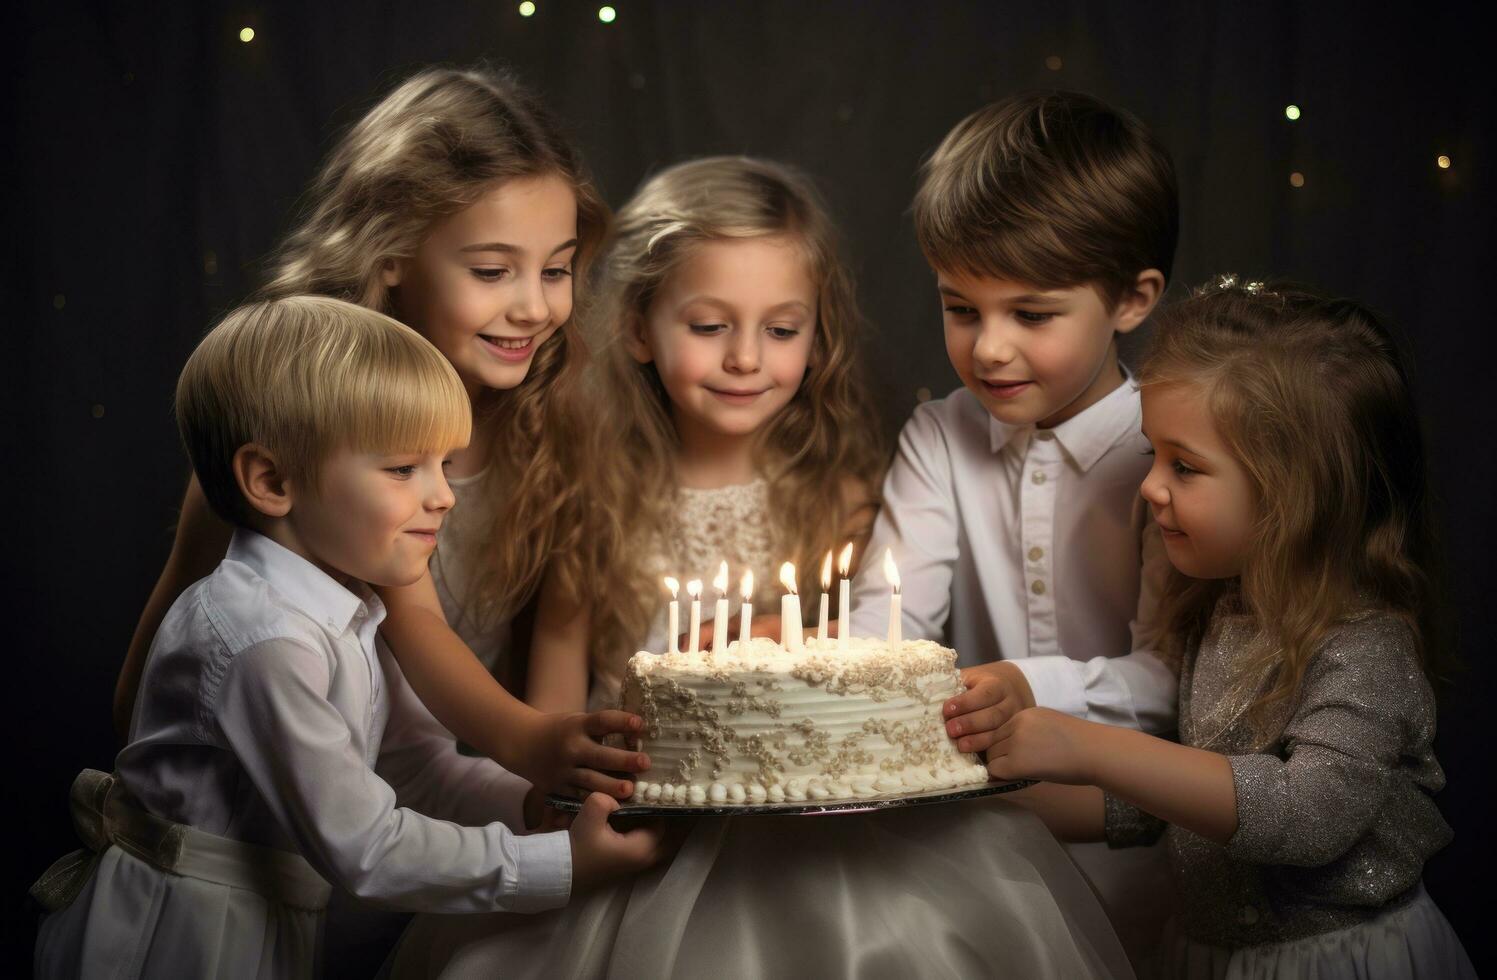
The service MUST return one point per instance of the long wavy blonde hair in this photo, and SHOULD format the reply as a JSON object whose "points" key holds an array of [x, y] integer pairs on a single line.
{"points": [[429, 149], [821, 454], [1311, 397]]}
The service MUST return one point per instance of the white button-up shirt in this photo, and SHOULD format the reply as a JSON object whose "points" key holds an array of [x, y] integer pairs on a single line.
{"points": [[265, 710], [1030, 545]]}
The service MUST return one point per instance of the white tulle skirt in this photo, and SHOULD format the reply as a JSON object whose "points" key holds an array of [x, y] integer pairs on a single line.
{"points": [[1412, 942], [972, 888]]}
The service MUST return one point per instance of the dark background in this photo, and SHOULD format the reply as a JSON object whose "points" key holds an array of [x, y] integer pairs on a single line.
{"points": [[158, 159]]}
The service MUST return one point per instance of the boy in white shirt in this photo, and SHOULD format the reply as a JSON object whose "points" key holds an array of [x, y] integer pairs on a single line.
{"points": [[1012, 507], [275, 749]]}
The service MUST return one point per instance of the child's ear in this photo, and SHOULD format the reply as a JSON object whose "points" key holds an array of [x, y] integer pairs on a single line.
{"points": [[1137, 303], [391, 271], [635, 341], [261, 481]]}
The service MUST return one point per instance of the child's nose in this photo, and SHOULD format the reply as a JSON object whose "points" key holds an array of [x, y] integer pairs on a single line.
{"points": [[1154, 491], [994, 346], [743, 352], [440, 496], [528, 304]]}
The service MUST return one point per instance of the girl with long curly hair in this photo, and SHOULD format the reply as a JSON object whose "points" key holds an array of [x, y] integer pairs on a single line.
{"points": [[734, 424], [457, 206], [1289, 484]]}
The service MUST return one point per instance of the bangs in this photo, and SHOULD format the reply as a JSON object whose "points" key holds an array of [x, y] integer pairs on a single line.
{"points": [[1028, 256], [374, 385], [415, 406]]}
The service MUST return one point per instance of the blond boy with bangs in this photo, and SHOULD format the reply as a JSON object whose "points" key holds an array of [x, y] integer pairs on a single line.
{"points": [[275, 749], [1012, 507]]}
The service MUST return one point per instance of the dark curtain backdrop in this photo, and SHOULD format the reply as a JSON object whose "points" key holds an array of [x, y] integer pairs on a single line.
{"points": [[157, 159]]}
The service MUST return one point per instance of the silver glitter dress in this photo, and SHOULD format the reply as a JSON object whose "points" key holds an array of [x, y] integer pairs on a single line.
{"points": [[1334, 804]]}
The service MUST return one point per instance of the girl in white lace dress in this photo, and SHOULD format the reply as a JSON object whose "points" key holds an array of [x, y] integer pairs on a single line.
{"points": [[736, 428]]}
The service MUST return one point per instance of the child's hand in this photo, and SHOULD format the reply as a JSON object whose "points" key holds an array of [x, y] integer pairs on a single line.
{"points": [[995, 693], [567, 757], [763, 624], [599, 852], [1040, 743], [540, 818]]}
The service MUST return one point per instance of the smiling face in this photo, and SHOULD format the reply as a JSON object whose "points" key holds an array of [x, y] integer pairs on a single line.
{"points": [[1201, 496], [371, 516], [730, 334], [1037, 356], [491, 283]]}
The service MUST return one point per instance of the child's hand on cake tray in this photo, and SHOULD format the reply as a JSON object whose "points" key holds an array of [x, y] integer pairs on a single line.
{"points": [[540, 818], [1042, 743], [599, 852], [995, 693], [566, 755]]}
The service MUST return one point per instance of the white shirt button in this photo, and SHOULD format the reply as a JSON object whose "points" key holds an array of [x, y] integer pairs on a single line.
{"points": [[1036, 553], [1037, 587], [1038, 476]]}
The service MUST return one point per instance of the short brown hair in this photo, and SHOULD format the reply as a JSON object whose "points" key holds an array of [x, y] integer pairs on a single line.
{"points": [[1052, 189], [304, 376]]}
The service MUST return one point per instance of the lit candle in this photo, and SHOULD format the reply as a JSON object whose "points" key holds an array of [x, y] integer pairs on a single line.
{"points": [[844, 600], [826, 583], [892, 574], [720, 619], [790, 637], [747, 612], [675, 619], [694, 589]]}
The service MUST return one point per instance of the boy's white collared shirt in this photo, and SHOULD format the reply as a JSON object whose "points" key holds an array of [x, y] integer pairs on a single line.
{"points": [[1030, 545], [269, 714]]}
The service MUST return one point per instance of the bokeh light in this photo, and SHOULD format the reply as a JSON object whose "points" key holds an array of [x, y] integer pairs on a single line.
{"points": [[1291, 112], [1296, 179], [247, 34], [1442, 161], [607, 14], [527, 8]]}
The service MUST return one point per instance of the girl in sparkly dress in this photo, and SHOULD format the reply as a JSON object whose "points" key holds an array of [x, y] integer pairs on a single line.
{"points": [[1288, 481]]}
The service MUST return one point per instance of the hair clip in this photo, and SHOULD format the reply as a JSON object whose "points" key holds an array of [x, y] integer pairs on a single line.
{"points": [[1229, 281]]}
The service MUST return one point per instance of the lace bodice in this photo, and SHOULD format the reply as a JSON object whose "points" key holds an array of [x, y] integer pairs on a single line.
{"points": [[706, 528]]}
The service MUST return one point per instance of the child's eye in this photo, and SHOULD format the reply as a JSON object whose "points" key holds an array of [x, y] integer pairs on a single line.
{"points": [[490, 275], [1181, 469], [1027, 316], [961, 311], [707, 329], [402, 472], [557, 273], [782, 333]]}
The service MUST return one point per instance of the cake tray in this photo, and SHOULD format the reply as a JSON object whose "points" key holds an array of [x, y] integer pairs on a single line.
{"points": [[571, 804]]}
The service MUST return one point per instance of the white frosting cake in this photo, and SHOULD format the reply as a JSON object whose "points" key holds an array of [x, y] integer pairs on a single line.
{"points": [[761, 724]]}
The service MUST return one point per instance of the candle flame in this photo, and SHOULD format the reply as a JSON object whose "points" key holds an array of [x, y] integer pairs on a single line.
{"points": [[826, 572], [694, 588], [844, 560], [673, 585], [720, 580], [747, 585], [787, 577], [891, 571]]}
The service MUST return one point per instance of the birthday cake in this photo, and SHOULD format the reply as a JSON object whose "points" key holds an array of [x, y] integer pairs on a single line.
{"points": [[757, 723]]}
